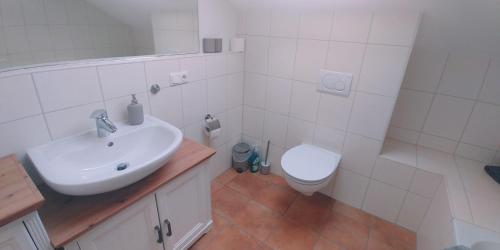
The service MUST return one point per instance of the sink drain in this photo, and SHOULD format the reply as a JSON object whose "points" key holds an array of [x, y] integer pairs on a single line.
{"points": [[122, 166]]}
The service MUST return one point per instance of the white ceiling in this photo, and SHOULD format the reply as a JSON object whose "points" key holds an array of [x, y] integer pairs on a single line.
{"points": [[450, 24]]}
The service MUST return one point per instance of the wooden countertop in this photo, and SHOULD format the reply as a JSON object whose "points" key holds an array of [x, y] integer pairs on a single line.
{"points": [[67, 217], [18, 195]]}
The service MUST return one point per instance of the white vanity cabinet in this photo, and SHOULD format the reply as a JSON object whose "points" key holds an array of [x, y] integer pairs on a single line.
{"points": [[15, 236], [173, 217]]}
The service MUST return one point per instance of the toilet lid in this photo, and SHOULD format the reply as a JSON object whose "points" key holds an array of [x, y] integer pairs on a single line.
{"points": [[309, 163]]}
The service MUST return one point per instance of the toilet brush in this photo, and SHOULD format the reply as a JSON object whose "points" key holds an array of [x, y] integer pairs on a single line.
{"points": [[265, 166]]}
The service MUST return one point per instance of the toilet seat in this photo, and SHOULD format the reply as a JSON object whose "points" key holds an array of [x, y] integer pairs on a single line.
{"points": [[308, 164]]}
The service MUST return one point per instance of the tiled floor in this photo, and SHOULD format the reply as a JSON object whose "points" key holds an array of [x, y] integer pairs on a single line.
{"points": [[253, 211]]}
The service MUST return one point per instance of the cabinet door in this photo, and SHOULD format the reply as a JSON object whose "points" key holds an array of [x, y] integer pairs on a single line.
{"points": [[15, 237], [184, 204], [131, 229]]}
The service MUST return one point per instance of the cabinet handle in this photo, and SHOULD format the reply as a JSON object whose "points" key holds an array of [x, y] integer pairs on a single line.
{"points": [[159, 235], [169, 227]]}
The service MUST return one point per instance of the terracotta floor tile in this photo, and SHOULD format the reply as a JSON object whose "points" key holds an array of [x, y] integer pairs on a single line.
{"points": [[345, 239], [248, 184], [215, 187], [226, 177], [290, 236], [274, 179], [324, 244], [256, 220], [378, 241], [399, 234], [342, 222], [276, 198], [354, 213], [310, 210], [217, 227], [229, 202], [232, 238]]}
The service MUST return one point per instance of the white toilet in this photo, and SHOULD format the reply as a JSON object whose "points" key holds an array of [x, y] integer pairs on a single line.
{"points": [[309, 168]]}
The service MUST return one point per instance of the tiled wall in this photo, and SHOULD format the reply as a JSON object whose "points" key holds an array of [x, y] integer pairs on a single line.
{"points": [[39, 31], [450, 102], [43, 106], [285, 51]]}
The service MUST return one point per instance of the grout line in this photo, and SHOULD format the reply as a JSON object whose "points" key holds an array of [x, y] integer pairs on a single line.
{"points": [[434, 97], [41, 108]]}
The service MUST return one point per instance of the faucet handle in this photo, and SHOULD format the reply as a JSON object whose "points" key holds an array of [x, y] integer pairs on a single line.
{"points": [[99, 114]]}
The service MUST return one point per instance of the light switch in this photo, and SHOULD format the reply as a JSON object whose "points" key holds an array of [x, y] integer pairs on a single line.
{"points": [[337, 83]]}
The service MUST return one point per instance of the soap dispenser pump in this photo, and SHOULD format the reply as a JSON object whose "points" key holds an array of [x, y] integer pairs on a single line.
{"points": [[135, 112]]}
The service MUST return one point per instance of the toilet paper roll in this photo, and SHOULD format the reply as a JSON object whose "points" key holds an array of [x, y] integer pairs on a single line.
{"points": [[237, 45]]}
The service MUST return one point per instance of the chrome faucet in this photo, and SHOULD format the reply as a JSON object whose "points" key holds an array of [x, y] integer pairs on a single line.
{"points": [[102, 122]]}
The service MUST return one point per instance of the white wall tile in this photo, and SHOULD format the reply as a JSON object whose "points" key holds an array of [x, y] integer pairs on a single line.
{"points": [[475, 153], [328, 138], [194, 102], [122, 79], [425, 183], [282, 57], [351, 25], [71, 121], [34, 12], [235, 62], [304, 101], [411, 109], [234, 122], [482, 129], [256, 54], [395, 28], [117, 107], [334, 111], [275, 127], [425, 69], [219, 163], [275, 153], [413, 211], [349, 187], [17, 136], [299, 132], [39, 38], [279, 92], [253, 122], [346, 57], [16, 39], [12, 13], [158, 72], [195, 67], [383, 69], [383, 200], [404, 135], [448, 116], [194, 131], [371, 114], [310, 58], [437, 143], [167, 105], [17, 98], [235, 83], [255, 90], [360, 153], [216, 95], [67, 88], [56, 12], [285, 23], [316, 24], [393, 173], [258, 22], [491, 89], [463, 75], [215, 65]]}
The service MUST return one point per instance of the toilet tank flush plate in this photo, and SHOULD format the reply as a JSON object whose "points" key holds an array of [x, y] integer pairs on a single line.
{"points": [[337, 83]]}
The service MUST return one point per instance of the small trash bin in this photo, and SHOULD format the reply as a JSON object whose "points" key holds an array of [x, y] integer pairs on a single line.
{"points": [[241, 154]]}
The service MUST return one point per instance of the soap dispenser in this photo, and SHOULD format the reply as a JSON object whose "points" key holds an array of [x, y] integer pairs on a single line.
{"points": [[135, 112]]}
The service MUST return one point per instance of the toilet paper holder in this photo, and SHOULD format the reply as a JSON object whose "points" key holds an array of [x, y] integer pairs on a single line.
{"points": [[212, 127]]}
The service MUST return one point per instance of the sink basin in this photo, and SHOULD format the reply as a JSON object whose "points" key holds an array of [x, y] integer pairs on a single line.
{"points": [[85, 164]]}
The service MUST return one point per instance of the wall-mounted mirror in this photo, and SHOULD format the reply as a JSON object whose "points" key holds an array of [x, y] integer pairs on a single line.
{"points": [[50, 31]]}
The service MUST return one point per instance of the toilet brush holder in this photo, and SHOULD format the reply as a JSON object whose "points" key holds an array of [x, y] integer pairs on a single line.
{"points": [[265, 167]]}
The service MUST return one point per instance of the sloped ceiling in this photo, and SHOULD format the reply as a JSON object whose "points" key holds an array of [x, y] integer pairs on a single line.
{"points": [[450, 24]]}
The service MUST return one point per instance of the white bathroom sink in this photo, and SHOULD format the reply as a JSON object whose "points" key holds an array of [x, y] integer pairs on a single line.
{"points": [[85, 164]]}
